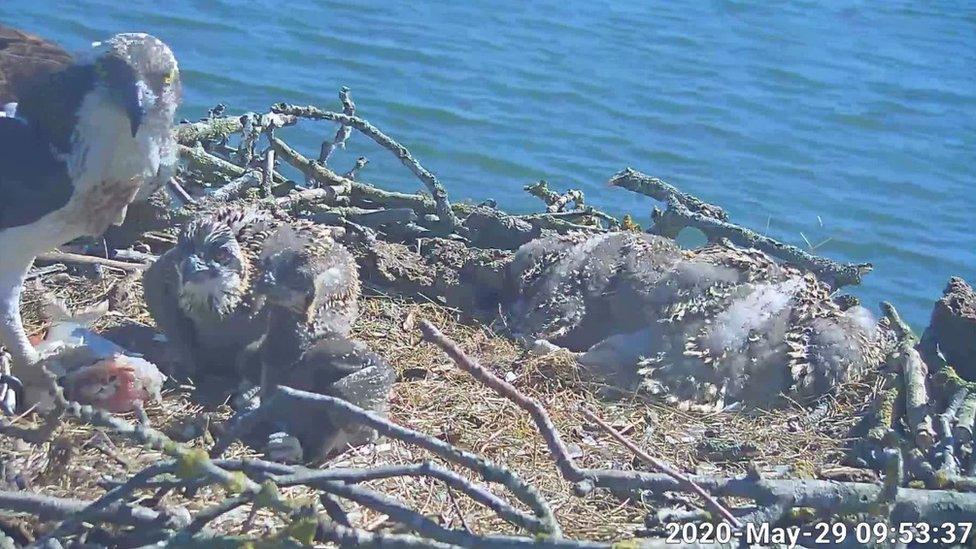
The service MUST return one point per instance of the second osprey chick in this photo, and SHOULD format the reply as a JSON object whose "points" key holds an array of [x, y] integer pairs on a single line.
{"points": [[309, 288], [312, 296]]}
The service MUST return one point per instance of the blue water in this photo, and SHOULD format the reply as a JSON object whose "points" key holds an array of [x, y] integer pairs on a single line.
{"points": [[853, 122]]}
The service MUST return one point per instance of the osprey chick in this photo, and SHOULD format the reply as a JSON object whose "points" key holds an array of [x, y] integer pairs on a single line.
{"points": [[311, 292], [199, 292], [83, 139]]}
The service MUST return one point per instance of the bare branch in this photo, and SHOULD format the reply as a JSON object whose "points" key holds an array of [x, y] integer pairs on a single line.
{"points": [[353, 172], [444, 211], [251, 179], [53, 508], [342, 134], [684, 210], [66, 257]]}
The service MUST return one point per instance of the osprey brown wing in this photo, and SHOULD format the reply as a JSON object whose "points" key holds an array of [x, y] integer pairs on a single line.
{"points": [[25, 58]]}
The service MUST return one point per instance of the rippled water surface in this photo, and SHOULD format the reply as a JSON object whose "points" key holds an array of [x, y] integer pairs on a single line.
{"points": [[850, 124]]}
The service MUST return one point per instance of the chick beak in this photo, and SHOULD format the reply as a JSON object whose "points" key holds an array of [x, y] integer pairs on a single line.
{"points": [[193, 269]]}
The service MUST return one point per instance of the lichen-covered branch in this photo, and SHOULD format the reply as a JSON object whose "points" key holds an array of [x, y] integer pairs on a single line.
{"points": [[213, 168], [907, 360], [216, 129], [884, 413], [965, 418], [554, 201], [916, 398], [443, 205], [313, 171], [213, 129], [684, 210], [659, 190]]}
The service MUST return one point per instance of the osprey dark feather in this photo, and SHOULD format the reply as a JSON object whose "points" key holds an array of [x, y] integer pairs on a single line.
{"points": [[82, 139]]}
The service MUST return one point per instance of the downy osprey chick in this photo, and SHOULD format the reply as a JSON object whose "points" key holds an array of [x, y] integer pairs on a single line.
{"points": [[199, 292], [701, 327], [81, 141], [311, 293], [309, 286]]}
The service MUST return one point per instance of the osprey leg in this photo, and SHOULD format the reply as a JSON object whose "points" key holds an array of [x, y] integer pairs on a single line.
{"points": [[35, 389], [12, 333]]}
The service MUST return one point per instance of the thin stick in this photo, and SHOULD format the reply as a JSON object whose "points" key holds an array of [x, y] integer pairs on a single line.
{"points": [[502, 387], [663, 467], [179, 191], [44, 271], [67, 257]]}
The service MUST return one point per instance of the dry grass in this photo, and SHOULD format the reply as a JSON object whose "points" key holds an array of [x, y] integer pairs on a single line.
{"points": [[434, 397]]}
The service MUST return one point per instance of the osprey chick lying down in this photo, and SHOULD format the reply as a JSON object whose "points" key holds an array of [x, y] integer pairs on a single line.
{"points": [[700, 327], [83, 138]]}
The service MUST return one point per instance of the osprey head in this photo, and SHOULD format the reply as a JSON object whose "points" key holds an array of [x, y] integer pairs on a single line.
{"points": [[141, 75], [289, 280], [212, 268]]}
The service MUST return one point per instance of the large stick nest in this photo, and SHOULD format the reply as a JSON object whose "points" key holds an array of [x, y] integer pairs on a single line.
{"points": [[574, 466]]}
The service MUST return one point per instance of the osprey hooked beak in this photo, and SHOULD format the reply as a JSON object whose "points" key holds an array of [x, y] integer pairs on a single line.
{"points": [[139, 102]]}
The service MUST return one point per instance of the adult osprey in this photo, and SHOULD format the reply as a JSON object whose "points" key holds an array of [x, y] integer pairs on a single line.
{"points": [[83, 138]]}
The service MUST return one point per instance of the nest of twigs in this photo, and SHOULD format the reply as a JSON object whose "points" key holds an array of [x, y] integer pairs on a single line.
{"points": [[434, 397], [488, 444]]}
